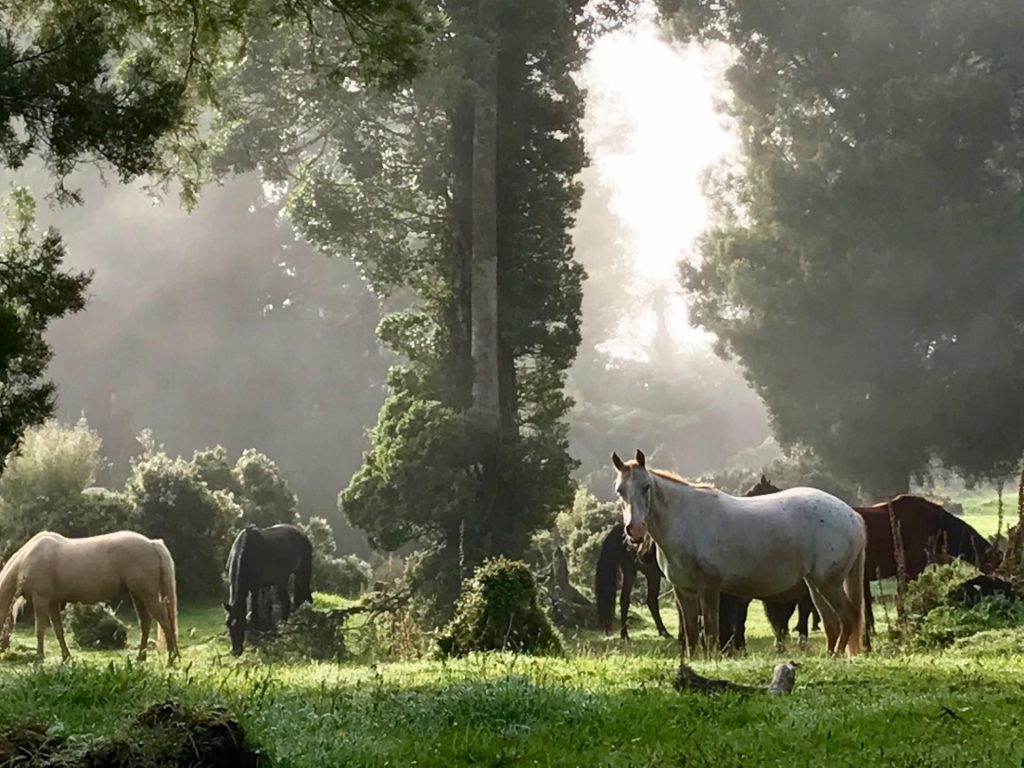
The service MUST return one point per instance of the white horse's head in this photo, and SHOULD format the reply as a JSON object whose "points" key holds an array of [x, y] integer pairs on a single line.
{"points": [[635, 487]]}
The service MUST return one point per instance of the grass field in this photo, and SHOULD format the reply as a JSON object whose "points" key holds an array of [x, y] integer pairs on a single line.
{"points": [[606, 704]]}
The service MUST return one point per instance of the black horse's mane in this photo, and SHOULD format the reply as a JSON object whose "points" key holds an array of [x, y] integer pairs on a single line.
{"points": [[962, 540], [236, 561]]}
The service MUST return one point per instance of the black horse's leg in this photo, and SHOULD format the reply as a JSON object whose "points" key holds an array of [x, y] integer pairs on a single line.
{"points": [[628, 577], [653, 590], [779, 615], [806, 608], [285, 600], [740, 624]]}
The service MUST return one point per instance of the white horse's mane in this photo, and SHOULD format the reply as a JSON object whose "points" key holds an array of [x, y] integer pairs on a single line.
{"points": [[667, 474]]}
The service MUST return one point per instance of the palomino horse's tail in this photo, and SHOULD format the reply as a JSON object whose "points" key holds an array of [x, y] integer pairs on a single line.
{"points": [[168, 593], [304, 574], [855, 591], [606, 578]]}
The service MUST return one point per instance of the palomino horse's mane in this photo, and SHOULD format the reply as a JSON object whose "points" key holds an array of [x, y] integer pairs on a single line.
{"points": [[667, 474]]}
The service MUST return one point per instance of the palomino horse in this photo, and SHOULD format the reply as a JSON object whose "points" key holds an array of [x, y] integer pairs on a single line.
{"points": [[266, 557], [52, 570], [710, 542]]}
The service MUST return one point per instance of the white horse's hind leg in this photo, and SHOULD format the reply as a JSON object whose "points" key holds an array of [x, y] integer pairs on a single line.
{"points": [[58, 629], [829, 617]]}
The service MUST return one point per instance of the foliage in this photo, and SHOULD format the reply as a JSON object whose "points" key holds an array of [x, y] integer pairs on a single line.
{"points": [[348, 575], [96, 627], [946, 624], [265, 496], [215, 470], [308, 634], [852, 259], [499, 610], [34, 290], [931, 588], [582, 528], [47, 486], [171, 502]]}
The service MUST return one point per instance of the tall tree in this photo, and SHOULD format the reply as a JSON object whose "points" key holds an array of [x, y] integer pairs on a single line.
{"points": [[405, 186], [862, 265]]}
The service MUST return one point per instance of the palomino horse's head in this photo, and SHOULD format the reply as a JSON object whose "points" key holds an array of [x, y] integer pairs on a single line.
{"points": [[634, 486], [236, 627], [761, 488]]}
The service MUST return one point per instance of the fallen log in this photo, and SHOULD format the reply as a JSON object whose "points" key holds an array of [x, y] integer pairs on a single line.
{"points": [[783, 680]]}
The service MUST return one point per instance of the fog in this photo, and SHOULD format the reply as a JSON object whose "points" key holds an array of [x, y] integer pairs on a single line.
{"points": [[217, 327]]}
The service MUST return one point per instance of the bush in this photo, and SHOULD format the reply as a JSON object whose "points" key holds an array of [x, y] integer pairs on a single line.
{"points": [[172, 502], [946, 624], [96, 627], [309, 633], [499, 610], [582, 529], [266, 498], [348, 575], [931, 589]]}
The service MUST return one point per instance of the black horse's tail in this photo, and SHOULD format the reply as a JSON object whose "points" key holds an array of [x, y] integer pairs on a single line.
{"points": [[606, 580], [304, 574]]}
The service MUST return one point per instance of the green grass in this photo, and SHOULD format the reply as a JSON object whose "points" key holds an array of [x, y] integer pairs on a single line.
{"points": [[607, 703]]}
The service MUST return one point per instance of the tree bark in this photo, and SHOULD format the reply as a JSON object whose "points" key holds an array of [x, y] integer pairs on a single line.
{"points": [[486, 386]]}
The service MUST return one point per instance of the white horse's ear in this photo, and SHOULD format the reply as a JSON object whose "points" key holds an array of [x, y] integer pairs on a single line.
{"points": [[641, 460], [618, 462]]}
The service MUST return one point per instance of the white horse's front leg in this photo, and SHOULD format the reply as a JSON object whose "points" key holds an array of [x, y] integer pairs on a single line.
{"points": [[689, 622], [708, 597]]}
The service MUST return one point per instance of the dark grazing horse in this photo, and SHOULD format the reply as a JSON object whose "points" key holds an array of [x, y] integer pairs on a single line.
{"points": [[266, 557], [928, 534]]}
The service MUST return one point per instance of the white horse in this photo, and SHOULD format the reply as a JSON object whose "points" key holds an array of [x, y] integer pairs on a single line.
{"points": [[710, 542], [52, 570]]}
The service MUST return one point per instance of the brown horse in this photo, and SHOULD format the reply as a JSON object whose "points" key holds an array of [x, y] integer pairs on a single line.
{"points": [[52, 570]]}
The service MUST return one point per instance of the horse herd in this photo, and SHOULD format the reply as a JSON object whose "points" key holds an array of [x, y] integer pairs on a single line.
{"points": [[52, 570], [800, 548], [796, 548]]}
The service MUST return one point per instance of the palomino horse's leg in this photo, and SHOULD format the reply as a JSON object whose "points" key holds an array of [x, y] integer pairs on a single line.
{"points": [[39, 610], [145, 622], [58, 629], [828, 616], [628, 577], [158, 611], [689, 608], [653, 590]]}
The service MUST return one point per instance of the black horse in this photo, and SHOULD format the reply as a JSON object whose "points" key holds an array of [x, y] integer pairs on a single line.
{"points": [[618, 553], [266, 557]]}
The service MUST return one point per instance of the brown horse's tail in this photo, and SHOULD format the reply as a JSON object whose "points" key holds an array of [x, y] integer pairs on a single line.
{"points": [[855, 591], [169, 597]]}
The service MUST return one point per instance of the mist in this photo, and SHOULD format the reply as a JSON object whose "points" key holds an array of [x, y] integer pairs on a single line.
{"points": [[219, 327]]}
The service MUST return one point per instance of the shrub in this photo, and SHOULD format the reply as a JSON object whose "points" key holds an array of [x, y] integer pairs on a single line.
{"points": [[944, 625], [931, 589], [348, 575], [170, 501], [309, 633], [582, 529], [499, 610], [96, 627]]}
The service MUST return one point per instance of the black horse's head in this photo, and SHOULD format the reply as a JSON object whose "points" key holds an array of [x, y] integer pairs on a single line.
{"points": [[236, 624], [761, 488]]}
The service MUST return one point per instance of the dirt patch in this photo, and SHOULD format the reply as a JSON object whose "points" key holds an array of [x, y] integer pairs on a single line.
{"points": [[162, 736]]}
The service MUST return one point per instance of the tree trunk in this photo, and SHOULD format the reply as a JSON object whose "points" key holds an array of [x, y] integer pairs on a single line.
{"points": [[486, 387], [461, 145]]}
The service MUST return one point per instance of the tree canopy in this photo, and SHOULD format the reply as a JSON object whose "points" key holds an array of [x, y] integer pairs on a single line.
{"points": [[861, 264]]}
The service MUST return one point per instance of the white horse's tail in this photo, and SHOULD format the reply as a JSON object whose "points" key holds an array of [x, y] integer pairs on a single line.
{"points": [[11, 602], [854, 584], [168, 594]]}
